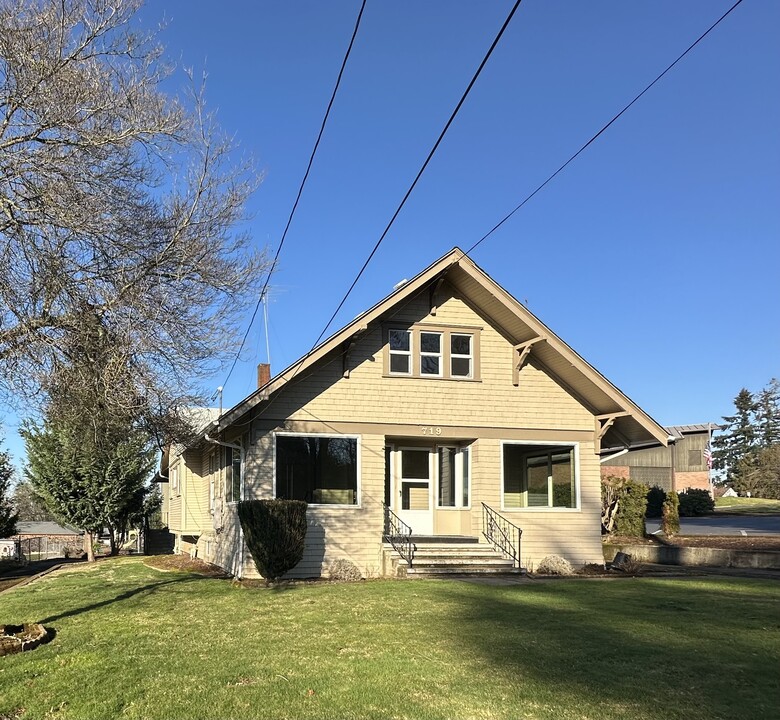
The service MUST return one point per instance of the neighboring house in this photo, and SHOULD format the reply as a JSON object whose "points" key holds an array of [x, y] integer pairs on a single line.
{"points": [[44, 539], [679, 465], [448, 402]]}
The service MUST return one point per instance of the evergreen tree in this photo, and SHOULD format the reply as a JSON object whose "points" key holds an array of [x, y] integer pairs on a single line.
{"points": [[734, 447], [92, 481], [767, 414], [8, 516]]}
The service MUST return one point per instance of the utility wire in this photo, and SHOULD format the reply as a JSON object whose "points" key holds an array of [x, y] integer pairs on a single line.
{"points": [[411, 187], [262, 297], [540, 187], [603, 129], [419, 174]]}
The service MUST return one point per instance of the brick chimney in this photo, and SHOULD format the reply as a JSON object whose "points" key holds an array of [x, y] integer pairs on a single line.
{"points": [[263, 374]]}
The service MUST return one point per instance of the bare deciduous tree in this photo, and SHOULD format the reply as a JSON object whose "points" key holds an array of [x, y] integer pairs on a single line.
{"points": [[118, 211]]}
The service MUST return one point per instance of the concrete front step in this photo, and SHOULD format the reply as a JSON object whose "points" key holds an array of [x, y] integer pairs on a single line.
{"points": [[425, 561], [444, 558], [460, 570]]}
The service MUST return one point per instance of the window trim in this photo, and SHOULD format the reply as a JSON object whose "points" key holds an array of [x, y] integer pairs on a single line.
{"points": [[405, 353], [426, 353], [445, 365], [175, 479], [458, 356], [358, 461], [222, 466], [460, 449], [575, 446]]}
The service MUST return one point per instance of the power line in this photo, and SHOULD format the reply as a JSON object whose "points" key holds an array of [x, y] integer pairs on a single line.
{"points": [[412, 186], [420, 172], [603, 129], [262, 297], [539, 188]]}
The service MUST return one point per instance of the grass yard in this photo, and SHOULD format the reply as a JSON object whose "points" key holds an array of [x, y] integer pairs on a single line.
{"points": [[135, 642], [747, 506]]}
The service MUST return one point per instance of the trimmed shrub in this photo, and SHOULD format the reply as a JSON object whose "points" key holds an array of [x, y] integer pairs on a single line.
{"points": [[344, 571], [656, 497], [695, 502], [555, 565], [274, 531], [632, 506], [670, 518]]}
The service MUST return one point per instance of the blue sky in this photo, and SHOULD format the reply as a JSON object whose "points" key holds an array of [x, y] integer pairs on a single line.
{"points": [[655, 255]]}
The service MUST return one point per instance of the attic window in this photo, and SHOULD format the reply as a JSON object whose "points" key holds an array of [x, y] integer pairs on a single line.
{"points": [[426, 351], [400, 344]]}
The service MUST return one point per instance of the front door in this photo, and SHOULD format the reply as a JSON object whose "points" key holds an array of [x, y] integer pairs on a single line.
{"points": [[414, 488]]}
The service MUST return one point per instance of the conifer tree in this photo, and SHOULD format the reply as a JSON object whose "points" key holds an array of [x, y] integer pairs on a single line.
{"points": [[768, 414], [8, 516], [735, 445], [90, 484]]}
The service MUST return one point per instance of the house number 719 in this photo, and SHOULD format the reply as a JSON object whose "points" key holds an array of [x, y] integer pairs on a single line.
{"points": [[430, 430]]}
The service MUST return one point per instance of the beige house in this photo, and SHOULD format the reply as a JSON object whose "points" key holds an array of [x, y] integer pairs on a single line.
{"points": [[444, 423]]}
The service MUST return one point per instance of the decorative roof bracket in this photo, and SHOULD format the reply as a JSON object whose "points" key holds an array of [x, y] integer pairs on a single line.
{"points": [[523, 350], [432, 299], [604, 423]]}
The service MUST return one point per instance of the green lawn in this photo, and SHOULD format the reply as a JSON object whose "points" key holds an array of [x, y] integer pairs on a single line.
{"points": [[747, 506], [134, 642]]}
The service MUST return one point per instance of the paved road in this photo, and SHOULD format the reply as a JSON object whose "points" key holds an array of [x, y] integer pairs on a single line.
{"points": [[725, 525]]}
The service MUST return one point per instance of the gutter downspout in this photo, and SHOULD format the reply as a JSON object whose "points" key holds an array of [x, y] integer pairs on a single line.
{"points": [[234, 446], [613, 456]]}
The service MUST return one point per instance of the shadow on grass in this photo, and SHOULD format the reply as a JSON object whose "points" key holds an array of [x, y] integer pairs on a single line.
{"points": [[628, 650], [143, 589]]}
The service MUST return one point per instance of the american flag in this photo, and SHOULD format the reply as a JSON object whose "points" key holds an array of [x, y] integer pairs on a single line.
{"points": [[708, 456]]}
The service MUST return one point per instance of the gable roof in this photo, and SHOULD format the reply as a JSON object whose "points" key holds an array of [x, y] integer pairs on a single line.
{"points": [[630, 424], [43, 527]]}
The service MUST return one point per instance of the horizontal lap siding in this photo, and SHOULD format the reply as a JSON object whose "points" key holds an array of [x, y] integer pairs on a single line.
{"points": [[334, 533], [195, 487], [323, 396], [367, 396], [573, 534]]}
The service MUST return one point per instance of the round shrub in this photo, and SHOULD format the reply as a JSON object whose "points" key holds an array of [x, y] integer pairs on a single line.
{"points": [[555, 565], [695, 502]]}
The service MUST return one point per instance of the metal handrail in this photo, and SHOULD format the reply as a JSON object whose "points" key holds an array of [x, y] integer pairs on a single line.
{"points": [[501, 533], [399, 535]]}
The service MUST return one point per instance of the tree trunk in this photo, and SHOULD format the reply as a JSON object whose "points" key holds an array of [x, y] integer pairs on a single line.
{"points": [[88, 548], [112, 540]]}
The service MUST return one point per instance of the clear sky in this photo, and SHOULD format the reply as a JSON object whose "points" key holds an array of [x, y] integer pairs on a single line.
{"points": [[655, 255]]}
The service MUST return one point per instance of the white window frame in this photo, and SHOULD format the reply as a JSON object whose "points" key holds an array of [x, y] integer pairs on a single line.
{"points": [[574, 445], [358, 461], [233, 501], [458, 477], [409, 354], [469, 357], [425, 354], [173, 477]]}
